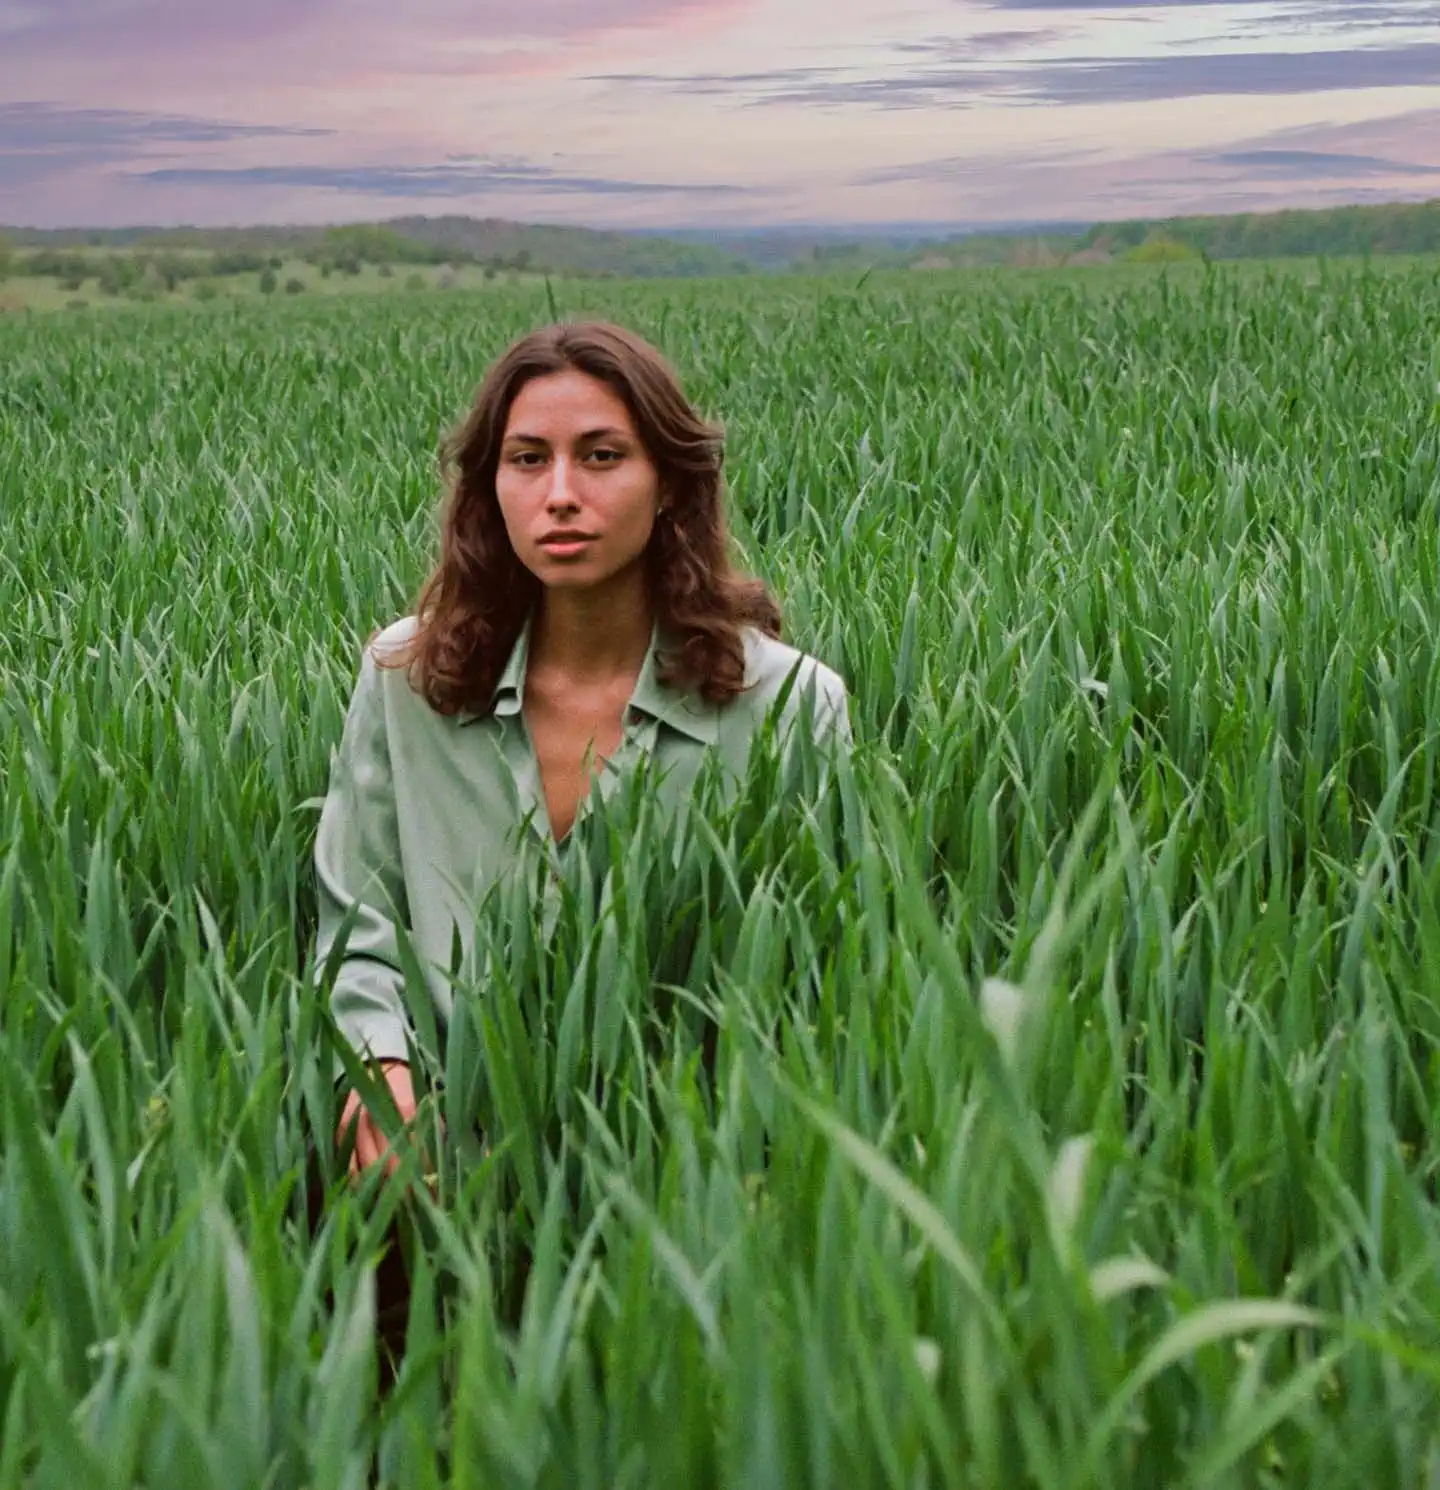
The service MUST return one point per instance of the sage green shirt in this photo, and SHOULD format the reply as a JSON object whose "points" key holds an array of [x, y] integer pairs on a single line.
{"points": [[426, 812]]}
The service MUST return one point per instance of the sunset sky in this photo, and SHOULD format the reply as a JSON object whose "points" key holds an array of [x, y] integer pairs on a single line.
{"points": [[723, 113]]}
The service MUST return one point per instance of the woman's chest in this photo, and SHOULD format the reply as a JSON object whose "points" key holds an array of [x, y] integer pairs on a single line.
{"points": [[470, 799], [570, 748]]}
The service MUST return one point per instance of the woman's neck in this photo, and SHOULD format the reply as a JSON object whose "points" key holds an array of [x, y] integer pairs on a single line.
{"points": [[597, 633]]}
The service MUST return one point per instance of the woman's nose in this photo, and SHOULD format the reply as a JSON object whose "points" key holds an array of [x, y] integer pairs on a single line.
{"points": [[560, 493]]}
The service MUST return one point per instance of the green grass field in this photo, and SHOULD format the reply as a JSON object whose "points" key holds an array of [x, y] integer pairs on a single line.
{"points": [[1074, 1118]]}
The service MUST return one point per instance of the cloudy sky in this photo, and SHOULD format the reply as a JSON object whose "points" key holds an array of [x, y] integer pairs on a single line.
{"points": [[649, 113]]}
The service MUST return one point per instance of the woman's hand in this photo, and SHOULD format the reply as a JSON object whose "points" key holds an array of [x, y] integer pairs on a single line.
{"points": [[371, 1145]]}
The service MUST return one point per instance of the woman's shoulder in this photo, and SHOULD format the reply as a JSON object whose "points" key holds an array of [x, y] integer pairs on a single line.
{"points": [[382, 663], [770, 664], [383, 655], [392, 638]]}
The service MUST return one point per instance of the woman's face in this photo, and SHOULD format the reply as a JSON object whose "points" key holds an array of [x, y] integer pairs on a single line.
{"points": [[577, 490]]}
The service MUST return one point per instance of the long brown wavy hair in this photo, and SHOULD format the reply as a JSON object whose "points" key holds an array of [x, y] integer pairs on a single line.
{"points": [[471, 609]]}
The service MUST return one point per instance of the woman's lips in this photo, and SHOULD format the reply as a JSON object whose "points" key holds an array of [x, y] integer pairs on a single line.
{"points": [[565, 548]]}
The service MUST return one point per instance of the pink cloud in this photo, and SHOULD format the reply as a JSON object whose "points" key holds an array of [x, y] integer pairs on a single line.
{"points": [[289, 59], [207, 34]]}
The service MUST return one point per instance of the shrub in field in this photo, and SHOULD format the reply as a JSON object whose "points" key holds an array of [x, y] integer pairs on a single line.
{"points": [[1051, 1100], [1161, 248]]}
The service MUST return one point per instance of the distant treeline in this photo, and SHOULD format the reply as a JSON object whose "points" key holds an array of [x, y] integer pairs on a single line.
{"points": [[493, 244], [1338, 232], [119, 259], [117, 268]]}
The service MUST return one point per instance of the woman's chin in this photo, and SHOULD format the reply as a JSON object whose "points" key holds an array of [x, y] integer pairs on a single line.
{"points": [[569, 583], [579, 573]]}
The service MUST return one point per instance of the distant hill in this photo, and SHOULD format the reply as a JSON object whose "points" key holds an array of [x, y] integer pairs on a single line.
{"points": [[572, 250], [535, 248]]}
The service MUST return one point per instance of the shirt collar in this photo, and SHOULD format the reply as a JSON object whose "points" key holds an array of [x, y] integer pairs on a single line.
{"points": [[509, 692], [682, 709]]}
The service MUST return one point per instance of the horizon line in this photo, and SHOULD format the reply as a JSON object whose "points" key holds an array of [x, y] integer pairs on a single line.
{"points": [[908, 226]]}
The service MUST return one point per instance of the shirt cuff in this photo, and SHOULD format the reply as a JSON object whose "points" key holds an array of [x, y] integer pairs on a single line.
{"points": [[376, 1037]]}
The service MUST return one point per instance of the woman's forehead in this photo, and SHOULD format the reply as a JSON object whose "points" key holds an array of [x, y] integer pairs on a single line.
{"points": [[571, 402]]}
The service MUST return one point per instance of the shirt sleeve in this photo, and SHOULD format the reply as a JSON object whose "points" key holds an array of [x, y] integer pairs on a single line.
{"points": [[833, 716], [815, 730], [358, 870]]}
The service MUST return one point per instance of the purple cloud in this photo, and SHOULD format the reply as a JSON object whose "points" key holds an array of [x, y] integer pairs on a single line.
{"points": [[100, 27], [1298, 165], [469, 179], [48, 126], [39, 141], [1071, 80], [983, 43], [1315, 165]]}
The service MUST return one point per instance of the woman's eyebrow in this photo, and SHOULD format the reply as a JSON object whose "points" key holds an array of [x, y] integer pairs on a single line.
{"points": [[608, 433]]}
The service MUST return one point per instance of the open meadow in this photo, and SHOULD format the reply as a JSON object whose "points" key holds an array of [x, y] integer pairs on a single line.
{"points": [[1074, 1111]]}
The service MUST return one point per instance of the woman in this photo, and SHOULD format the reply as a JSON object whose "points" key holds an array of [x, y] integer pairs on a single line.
{"points": [[583, 615]]}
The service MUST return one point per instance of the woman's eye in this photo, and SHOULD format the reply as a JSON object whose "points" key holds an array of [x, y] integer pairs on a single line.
{"points": [[531, 458]]}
